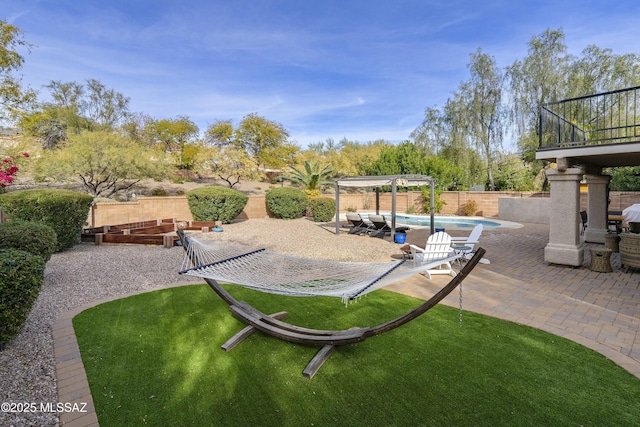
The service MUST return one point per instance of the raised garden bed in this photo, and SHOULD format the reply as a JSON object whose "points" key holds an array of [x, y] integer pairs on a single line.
{"points": [[154, 232]]}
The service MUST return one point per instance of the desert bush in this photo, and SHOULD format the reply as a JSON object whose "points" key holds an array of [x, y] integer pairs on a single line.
{"points": [[21, 276], [216, 203], [322, 209], [63, 210], [287, 202], [37, 239], [470, 208]]}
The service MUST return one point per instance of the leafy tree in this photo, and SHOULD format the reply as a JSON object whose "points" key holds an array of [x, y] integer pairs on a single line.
{"points": [[105, 163], [231, 165], [312, 177], [177, 137], [13, 98], [75, 108], [104, 107], [264, 141], [485, 111], [512, 173], [407, 159], [600, 70], [537, 79], [624, 178], [433, 133]]}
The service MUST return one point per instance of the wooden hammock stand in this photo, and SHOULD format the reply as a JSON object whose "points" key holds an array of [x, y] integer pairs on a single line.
{"points": [[328, 340]]}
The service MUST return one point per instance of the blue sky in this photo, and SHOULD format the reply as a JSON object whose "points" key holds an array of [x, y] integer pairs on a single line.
{"points": [[363, 70]]}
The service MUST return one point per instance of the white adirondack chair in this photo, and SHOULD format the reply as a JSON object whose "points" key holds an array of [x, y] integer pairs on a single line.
{"points": [[470, 242], [438, 247]]}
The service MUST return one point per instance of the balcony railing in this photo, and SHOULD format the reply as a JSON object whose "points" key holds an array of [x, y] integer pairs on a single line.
{"points": [[605, 118]]}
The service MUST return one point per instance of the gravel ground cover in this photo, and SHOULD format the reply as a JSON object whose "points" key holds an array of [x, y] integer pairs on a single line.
{"points": [[89, 273]]}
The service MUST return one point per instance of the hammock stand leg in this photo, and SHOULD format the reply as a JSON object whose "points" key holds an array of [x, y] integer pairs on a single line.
{"points": [[317, 361], [247, 331]]}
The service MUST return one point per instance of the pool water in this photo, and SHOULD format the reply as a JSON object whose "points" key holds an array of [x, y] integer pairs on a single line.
{"points": [[443, 222], [453, 222]]}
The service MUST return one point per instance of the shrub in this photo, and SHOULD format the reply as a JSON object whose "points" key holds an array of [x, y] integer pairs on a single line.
{"points": [[287, 202], [470, 208], [63, 210], [322, 209], [37, 239], [159, 192], [438, 203], [216, 203], [21, 276]]}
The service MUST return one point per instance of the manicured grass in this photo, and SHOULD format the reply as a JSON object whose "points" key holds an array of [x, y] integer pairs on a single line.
{"points": [[155, 359]]}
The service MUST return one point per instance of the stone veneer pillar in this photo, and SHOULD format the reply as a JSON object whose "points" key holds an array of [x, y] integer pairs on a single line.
{"points": [[565, 243], [597, 204]]}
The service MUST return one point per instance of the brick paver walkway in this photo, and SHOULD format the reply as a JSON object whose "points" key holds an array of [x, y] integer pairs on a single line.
{"points": [[598, 310]]}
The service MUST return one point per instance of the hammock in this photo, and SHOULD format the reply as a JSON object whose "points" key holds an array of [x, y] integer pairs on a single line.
{"points": [[271, 272], [276, 273]]}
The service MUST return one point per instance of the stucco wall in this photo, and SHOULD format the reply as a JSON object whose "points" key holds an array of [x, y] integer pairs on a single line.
{"points": [[532, 209]]}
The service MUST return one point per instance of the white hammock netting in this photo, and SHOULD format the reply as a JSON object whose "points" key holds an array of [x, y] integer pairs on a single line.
{"points": [[282, 274]]}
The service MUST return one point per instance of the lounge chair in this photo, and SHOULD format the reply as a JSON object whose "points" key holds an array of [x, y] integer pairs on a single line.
{"points": [[358, 224], [438, 247], [470, 243], [382, 226]]}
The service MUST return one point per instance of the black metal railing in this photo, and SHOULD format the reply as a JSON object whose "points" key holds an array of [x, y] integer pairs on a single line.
{"points": [[606, 118]]}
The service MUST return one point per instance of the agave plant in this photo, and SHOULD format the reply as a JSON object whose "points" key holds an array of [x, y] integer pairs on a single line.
{"points": [[311, 178]]}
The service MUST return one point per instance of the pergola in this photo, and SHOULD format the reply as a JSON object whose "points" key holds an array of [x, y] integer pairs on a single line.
{"points": [[380, 181]]}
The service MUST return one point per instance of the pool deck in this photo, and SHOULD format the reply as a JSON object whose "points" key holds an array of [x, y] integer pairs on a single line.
{"points": [[598, 310]]}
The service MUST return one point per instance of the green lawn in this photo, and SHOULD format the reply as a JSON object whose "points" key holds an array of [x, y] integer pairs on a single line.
{"points": [[155, 359]]}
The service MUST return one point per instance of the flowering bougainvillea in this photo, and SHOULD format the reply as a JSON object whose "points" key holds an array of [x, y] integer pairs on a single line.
{"points": [[9, 168]]}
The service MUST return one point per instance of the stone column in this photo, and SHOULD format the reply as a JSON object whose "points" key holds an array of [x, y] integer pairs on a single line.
{"points": [[565, 243], [597, 207]]}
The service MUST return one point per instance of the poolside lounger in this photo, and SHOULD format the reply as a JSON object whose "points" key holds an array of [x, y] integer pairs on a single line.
{"points": [[358, 224], [382, 226]]}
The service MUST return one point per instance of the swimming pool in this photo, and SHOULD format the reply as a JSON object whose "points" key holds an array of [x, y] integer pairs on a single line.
{"points": [[449, 222]]}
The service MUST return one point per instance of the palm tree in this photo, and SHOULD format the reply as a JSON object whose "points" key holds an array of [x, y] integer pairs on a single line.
{"points": [[311, 178]]}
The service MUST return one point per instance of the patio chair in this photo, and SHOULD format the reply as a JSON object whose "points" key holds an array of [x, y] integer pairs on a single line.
{"points": [[382, 226], [469, 243], [358, 224], [583, 217], [438, 247]]}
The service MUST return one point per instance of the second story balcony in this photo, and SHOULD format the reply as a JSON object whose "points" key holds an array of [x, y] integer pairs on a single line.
{"points": [[601, 130]]}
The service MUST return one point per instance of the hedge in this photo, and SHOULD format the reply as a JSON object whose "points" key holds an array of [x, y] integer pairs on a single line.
{"points": [[216, 203], [287, 202], [37, 239], [322, 209], [21, 277], [63, 210]]}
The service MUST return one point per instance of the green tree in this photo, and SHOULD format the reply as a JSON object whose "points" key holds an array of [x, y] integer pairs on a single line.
{"points": [[14, 99], [104, 162], [485, 111], [264, 141], [600, 70], [73, 109], [177, 137], [624, 178], [537, 79], [232, 165]]}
